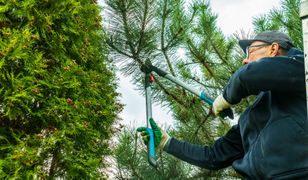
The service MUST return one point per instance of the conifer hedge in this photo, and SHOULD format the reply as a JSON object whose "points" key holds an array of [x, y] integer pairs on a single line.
{"points": [[57, 92]]}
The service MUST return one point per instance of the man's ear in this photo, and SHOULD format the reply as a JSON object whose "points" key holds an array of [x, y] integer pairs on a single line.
{"points": [[274, 49]]}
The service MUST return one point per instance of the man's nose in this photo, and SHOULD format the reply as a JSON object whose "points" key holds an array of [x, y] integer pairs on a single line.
{"points": [[246, 61]]}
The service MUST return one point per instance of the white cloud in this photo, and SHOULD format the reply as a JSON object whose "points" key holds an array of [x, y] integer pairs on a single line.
{"points": [[238, 14]]}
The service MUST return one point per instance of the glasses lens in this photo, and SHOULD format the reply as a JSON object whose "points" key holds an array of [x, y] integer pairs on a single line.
{"points": [[259, 46]]}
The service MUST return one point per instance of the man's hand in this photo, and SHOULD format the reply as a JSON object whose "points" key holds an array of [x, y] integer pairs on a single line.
{"points": [[160, 137], [220, 104]]}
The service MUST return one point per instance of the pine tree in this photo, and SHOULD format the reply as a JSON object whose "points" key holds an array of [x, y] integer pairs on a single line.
{"points": [[140, 30], [57, 91], [285, 19], [156, 30]]}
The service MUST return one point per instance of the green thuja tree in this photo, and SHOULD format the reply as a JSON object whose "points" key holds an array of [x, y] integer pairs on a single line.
{"points": [[57, 92]]}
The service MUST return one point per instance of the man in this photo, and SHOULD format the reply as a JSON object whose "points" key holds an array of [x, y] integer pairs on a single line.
{"points": [[270, 140]]}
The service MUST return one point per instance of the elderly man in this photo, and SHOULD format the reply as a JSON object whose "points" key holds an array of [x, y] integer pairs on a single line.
{"points": [[270, 140]]}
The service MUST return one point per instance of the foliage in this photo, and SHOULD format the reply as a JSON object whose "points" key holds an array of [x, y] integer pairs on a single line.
{"points": [[57, 96], [284, 19], [131, 159], [156, 30]]}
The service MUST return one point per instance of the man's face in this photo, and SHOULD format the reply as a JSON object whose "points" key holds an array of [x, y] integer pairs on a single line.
{"points": [[257, 50]]}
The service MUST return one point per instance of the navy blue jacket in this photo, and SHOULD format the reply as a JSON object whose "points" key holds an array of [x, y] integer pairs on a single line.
{"points": [[270, 140]]}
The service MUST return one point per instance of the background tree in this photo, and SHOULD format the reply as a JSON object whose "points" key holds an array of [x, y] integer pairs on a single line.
{"points": [[57, 91], [141, 29], [156, 30], [285, 19]]}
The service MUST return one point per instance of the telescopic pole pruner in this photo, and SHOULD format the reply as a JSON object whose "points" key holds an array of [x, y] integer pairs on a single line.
{"points": [[148, 68]]}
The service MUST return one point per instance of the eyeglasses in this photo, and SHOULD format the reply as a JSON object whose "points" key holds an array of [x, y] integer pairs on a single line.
{"points": [[259, 47]]}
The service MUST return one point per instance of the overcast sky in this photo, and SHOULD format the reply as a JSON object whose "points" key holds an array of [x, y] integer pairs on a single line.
{"points": [[233, 15]]}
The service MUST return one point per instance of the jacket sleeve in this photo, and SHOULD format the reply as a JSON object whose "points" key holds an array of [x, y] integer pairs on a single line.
{"points": [[268, 74], [221, 154]]}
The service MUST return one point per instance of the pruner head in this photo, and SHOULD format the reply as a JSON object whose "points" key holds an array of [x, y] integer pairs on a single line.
{"points": [[146, 67]]}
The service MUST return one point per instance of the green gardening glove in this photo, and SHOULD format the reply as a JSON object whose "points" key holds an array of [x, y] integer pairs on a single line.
{"points": [[160, 137]]}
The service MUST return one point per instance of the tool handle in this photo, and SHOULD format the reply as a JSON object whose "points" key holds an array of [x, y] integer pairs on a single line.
{"points": [[151, 148], [203, 96]]}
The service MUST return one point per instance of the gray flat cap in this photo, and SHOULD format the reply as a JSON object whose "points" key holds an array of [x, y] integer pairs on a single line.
{"points": [[282, 39]]}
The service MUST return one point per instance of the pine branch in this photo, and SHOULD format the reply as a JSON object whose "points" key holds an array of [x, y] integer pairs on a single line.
{"points": [[163, 48], [135, 54], [199, 57], [175, 98], [109, 42], [202, 124], [145, 13], [174, 39], [217, 51]]}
